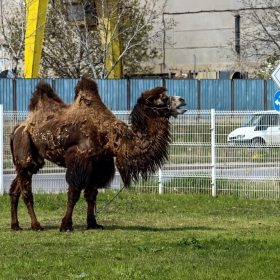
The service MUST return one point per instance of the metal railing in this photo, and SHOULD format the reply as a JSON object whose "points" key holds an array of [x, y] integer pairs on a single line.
{"points": [[200, 159]]}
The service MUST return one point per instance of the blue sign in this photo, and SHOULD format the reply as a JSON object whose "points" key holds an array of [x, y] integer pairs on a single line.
{"points": [[276, 101]]}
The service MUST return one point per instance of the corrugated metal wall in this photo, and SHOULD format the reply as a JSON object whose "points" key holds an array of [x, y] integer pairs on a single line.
{"points": [[6, 94], [249, 94], [114, 94], [122, 94], [65, 89], [215, 94]]}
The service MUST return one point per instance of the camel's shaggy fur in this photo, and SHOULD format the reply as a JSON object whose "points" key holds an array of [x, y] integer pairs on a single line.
{"points": [[85, 137]]}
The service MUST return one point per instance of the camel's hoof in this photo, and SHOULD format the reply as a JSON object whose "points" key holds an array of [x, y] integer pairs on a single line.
{"points": [[66, 229], [96, 226], [16, 227], [37, 228]]}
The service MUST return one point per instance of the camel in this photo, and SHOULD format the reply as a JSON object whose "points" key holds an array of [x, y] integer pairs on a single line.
{"points": [[88, 140]]}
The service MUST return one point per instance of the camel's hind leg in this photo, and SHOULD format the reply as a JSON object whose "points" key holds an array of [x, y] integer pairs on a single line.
{"points": [[27, 162], [22, 185], [14, 197]]}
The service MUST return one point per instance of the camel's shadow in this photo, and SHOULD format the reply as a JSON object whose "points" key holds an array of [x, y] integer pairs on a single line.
{"points": [[155, 229], [81, 227]]}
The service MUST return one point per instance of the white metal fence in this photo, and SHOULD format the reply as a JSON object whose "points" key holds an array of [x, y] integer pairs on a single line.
{"points": [[200, 158]]}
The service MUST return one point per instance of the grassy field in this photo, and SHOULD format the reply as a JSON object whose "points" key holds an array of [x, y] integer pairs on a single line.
{"points": [[146, 236]]}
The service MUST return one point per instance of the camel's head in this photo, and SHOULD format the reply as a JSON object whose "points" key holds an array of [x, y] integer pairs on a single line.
{"points": [[159, 101], [175, 105], [154, 98]]}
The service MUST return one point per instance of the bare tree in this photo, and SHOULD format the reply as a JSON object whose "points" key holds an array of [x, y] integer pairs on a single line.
{"points": [[62, 54], [12, 31], [268, 66], [101, 36], [259, 31], [258, 41]]}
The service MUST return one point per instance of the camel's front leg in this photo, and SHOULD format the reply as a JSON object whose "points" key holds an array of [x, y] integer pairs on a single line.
{"points": [[73, 197], [14, 197], [90, 197]]}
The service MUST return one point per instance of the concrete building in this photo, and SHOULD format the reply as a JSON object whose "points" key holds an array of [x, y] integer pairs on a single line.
{"points": [[203, 39]]}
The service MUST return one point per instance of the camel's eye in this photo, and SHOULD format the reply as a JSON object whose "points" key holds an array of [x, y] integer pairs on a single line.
{"points": [[150, 100], [164, 99]]}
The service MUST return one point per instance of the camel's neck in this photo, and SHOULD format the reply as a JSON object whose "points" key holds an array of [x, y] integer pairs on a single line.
{"points": [[147, 149]]}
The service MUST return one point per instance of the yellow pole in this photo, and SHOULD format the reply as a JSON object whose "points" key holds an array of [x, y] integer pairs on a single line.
{"points": [[36, 12], [113, 52], [107, 30]]}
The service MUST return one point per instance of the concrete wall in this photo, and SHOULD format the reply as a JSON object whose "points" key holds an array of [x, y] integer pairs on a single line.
{"points": [[202, 40]]}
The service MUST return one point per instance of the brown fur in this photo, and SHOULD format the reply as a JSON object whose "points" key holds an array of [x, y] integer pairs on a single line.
{"points": [[44, 94], [85, 137]]}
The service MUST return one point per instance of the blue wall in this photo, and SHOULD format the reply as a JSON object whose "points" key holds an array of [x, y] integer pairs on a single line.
{"points": [[122, 94]]}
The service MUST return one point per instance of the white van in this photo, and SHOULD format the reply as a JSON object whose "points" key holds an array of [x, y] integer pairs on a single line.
{"points": [[258, 129]]}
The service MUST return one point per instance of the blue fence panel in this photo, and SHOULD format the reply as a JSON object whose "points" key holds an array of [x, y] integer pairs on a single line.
{"points": [[65, 88], [6, 94], [186, 89], [215, 94], [122, 94], [248, 95], [138, 86], [24, 90], [272, 88], [113, 93]]}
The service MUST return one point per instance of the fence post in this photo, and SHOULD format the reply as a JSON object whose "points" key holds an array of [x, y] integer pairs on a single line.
{"points": [[14, 94], [213, 152], [160, 185], [128, 91], [1, 150]]}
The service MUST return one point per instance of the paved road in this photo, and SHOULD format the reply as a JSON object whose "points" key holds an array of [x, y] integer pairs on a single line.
{"points": [[53, 182]]}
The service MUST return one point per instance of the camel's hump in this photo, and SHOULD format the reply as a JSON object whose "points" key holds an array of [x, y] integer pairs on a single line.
{"points": [[43, 91], [86, 84]]}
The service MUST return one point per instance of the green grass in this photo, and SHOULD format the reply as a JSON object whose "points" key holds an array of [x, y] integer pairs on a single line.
{"points": [[146, 236]]}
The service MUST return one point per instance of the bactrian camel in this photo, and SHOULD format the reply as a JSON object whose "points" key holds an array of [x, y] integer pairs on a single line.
{"points": [[88, 140]]}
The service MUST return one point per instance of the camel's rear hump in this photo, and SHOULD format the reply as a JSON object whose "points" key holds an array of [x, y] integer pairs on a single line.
{"points": [[86, 85], [45, 94]]}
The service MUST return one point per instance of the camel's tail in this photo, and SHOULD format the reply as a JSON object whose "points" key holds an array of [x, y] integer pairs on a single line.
{"points": [[43, 91], [86, 84], [11, 144]]}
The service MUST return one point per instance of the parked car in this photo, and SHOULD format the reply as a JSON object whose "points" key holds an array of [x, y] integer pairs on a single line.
{"points": [[258, 129]]}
